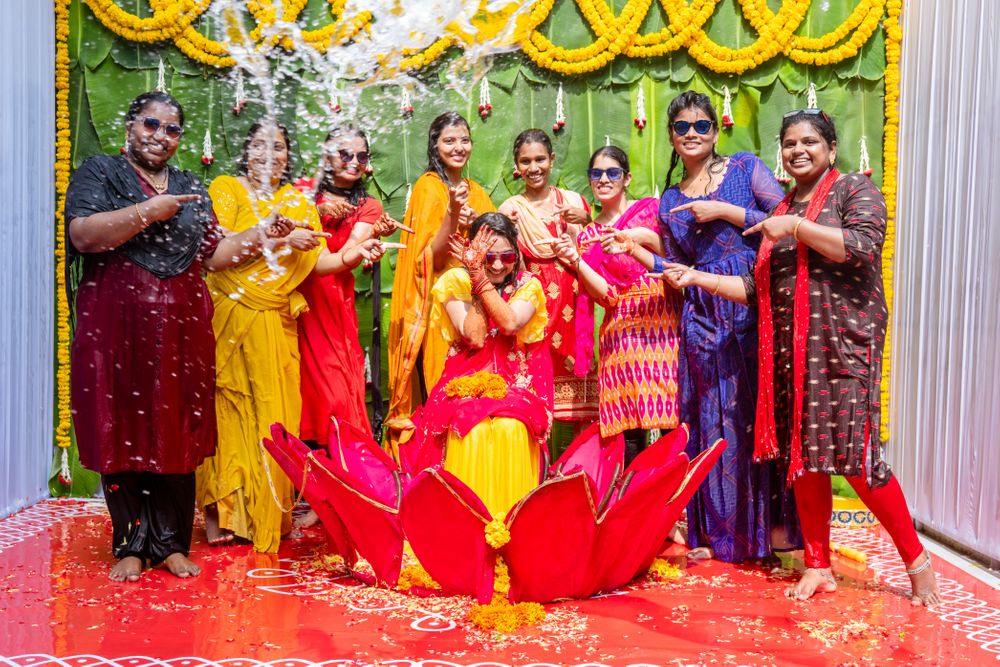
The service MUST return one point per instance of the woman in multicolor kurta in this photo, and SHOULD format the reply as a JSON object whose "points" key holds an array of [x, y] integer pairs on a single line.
{"points": [[637, 361], [702, 219], [541, 214], [823, 316]]}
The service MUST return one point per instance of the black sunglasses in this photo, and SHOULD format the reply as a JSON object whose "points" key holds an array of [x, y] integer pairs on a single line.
{"points": [[681, 127], [346, 156], [613, 173], [152, 125]]}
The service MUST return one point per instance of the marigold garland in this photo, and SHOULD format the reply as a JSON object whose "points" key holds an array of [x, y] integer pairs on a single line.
{"points": [[893, 41], [62, 173], [614, 35], [500, 614], [482, 384], [416, 576], [664, 570], [497, 533]]}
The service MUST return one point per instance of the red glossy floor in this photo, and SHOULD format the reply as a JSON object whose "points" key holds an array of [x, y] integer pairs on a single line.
{"points": [[58, 608]]}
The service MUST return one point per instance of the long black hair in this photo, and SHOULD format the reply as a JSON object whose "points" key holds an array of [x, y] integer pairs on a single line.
{"points": [[140, 103], [689, 99], [357, 193], [504, 228], [286, 176], [434, 162]]}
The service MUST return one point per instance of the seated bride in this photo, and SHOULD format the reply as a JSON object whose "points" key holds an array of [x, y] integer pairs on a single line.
{"points": [[489, 415]]}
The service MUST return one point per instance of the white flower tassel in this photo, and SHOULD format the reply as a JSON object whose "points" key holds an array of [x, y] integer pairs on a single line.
{"points": [[409, 193], [811, 101], [241, 95], [727, 107], [640, 110], [864, 162], [485, 104], [207, 157], [560, 115], [334, 102], [161, 77], [779, 170], [65, 476], [405, 103]]}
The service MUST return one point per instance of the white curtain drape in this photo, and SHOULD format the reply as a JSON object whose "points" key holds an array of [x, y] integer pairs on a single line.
{"points": [[945, 411], [27, 152]]}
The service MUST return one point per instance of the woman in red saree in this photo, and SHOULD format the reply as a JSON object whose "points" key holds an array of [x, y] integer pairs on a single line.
{"points": [[823, 316], [541, 215], [491, 411]]}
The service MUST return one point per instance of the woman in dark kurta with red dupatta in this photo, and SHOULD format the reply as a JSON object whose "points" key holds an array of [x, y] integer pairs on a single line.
{"points": [[823, 315], [143, 355]]}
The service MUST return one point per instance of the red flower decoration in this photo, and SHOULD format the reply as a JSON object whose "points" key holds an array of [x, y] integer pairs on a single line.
{"points": [[726, 121], [207, 159]]}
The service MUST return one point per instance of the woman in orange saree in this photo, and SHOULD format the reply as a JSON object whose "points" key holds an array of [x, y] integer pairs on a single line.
{"points": [[442, 203]]}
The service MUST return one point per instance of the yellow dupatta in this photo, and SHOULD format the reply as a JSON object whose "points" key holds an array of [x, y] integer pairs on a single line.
{"points": [[257, 367]]}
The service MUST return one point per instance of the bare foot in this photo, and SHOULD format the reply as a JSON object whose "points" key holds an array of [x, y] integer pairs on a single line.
{"points": [[307, 520], [814, 580], [923, 582], [127, 569], [181, 566], [701, 553], [677, 535], [214, 534]]}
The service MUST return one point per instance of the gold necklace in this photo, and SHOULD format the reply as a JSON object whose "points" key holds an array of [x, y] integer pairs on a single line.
{"points": [[160, 186]]}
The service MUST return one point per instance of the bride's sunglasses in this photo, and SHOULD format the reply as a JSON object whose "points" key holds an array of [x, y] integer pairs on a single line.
{"points": [[506, 257]]}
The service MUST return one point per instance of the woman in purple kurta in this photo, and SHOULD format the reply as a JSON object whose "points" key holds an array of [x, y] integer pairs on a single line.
{"points": [[702, 219]]}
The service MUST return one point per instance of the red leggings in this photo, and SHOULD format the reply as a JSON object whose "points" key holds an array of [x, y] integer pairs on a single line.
{"points": [[814, 499]]}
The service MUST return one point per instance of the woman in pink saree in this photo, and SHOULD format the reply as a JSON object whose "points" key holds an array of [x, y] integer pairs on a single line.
{"points": [[491, 411]]}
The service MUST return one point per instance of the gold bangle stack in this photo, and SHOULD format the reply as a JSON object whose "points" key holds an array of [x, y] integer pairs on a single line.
{"points": [[142, 218], [795, 229]]}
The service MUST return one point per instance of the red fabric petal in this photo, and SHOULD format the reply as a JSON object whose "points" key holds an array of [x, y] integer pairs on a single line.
{"points": [[444, 521]]}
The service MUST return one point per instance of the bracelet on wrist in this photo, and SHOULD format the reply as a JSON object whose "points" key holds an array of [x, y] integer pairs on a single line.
{"points": [[718, 284], [138, 212], [795, 229]]}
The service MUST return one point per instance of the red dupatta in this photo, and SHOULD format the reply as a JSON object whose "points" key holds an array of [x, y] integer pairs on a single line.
{"points": [[766, 439]]}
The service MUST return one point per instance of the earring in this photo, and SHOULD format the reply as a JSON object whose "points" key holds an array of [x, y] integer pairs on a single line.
{"points": [[516, 173]]}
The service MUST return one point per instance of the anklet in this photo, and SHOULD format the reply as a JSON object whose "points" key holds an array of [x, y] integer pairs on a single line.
{"points": [[920, 568]]}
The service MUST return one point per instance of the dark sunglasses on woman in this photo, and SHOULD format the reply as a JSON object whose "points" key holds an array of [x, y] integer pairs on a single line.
{"points": [[702, 126], [506, 257], [346, 156], [613, 173], [151, 125]]}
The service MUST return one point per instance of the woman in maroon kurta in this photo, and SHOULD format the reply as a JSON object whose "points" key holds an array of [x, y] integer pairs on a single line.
{"points": [[823, 316], [142, 361]]}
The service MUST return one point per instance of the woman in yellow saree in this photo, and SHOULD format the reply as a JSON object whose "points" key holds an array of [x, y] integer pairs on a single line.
{"points": [[442, 203], [243, 492]]}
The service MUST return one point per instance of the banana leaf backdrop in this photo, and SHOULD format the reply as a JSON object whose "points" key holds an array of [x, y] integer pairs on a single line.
{"points": [[106, 71]]}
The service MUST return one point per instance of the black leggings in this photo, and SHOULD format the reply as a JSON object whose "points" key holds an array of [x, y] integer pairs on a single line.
{"points": [[152, 515]]}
